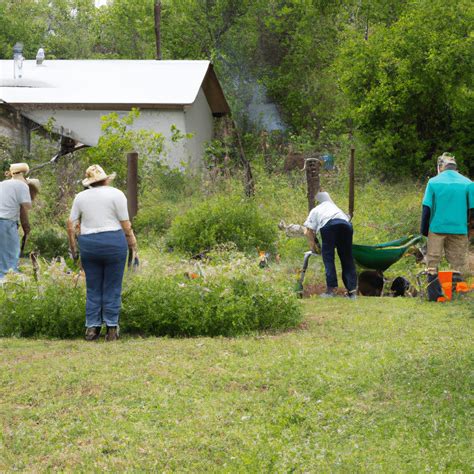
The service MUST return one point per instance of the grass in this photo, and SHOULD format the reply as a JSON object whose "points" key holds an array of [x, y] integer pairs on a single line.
{"points": [[373, 385], [376, 385]]}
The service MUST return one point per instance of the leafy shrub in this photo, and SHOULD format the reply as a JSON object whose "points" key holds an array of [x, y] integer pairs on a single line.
{"points": [[227, 307], [155, 305], [49, 243], [153, 220], [220, 220], [54, 310]]}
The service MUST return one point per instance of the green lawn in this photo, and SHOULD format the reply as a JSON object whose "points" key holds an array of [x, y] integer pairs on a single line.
{"points": [[378, 385]]}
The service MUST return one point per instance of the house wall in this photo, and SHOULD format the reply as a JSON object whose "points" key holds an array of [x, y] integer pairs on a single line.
{"points": [[199, 122], [175, 153], [84, 126]]}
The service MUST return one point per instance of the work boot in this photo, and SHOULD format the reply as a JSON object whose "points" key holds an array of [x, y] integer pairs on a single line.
{"points": [[112, 333], [434, 289], [329, 293], [92, 333], [352, 295]]}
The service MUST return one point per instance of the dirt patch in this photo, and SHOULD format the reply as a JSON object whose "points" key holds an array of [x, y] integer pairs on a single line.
{"points": [[319, 289]]}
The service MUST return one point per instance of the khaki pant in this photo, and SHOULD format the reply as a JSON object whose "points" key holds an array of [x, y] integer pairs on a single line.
{"points": [[456, 250]]}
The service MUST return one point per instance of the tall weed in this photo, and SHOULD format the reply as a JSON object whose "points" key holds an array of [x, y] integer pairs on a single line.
{"points": [[153, 305], [175, 306]]}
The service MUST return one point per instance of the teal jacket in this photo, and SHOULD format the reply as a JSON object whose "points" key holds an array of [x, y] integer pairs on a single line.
{"points": [[449, 196]]}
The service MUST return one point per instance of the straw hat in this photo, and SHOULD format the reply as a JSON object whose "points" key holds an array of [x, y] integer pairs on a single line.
{"points": [[94, 174], [35, 183], [17, 168]]}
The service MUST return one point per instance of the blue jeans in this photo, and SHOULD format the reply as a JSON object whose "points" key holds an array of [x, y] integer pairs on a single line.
{"points": [[103, 258], [337, 234], [9, 246]]}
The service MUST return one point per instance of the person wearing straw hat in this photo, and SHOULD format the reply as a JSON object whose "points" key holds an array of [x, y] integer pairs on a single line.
{"points": [[447, 203], [15, 203], [101, 214]]}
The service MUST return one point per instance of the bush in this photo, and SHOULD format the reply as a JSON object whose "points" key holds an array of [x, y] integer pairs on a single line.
{"points": [[220, 220], [53, 310], [221, 307], [50, 243], [152, 306], [152, 220]]}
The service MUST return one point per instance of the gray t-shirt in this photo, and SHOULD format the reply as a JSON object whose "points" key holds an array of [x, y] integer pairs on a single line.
{"points": [[13, 193], [99, 209]]}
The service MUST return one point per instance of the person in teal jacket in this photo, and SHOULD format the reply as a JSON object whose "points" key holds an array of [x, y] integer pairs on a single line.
{"points": [[448, 208]]}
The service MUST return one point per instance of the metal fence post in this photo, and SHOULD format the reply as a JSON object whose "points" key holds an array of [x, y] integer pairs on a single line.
{"points": [[352, 181]]}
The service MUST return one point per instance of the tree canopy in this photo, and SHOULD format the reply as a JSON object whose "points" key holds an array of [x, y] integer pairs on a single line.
{"points": [[397, 74]]}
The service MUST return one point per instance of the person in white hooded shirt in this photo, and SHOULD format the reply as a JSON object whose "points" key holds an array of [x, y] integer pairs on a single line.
{"points": [[336, 233]]}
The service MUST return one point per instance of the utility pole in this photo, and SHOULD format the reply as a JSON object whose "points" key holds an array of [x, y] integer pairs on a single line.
{"points": [[158, 28]]}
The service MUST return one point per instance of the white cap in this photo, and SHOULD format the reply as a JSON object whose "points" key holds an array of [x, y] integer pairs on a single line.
{"points": [[323, 197]]}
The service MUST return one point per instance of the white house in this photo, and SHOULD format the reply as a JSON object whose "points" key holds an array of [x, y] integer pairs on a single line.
{"points": [[77, 93]]}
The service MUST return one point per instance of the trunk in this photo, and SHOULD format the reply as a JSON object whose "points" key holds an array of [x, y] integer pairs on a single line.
{"points": [[266, 153], [158, 28], [248, 176]]}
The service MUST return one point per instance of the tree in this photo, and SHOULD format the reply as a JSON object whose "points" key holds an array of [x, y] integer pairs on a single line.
{"points": [[23, 22], [409, 86], [125, 30]]}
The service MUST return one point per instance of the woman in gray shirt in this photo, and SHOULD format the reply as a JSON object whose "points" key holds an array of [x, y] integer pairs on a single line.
{"points": [[105, 232]]}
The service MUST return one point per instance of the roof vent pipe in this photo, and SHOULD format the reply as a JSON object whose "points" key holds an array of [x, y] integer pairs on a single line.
{"points": [[18, 60], [40, 56]]}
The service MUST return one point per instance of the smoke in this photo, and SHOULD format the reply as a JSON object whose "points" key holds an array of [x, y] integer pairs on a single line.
{"points": [[262, 112], [251, 107]]}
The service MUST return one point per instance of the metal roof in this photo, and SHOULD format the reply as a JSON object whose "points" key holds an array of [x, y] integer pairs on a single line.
{"points": [[111, 83]]}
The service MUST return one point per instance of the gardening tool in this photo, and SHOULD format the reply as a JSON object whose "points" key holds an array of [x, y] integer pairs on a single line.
{"points": [[23, 244], [299, 283], [133, 261]]}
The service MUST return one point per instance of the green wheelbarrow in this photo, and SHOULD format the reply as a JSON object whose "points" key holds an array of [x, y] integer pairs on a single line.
{"points": [[373, 257], [382, 256]]}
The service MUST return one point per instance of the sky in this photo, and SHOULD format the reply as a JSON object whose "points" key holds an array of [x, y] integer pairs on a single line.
{"points": [[99, 3]]}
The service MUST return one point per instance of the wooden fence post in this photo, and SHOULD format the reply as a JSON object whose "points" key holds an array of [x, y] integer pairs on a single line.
{"points": [[312, 166], [132, 184]]}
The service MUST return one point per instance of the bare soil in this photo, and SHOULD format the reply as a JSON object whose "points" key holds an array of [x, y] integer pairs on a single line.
{"points": [[318, 289]]}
